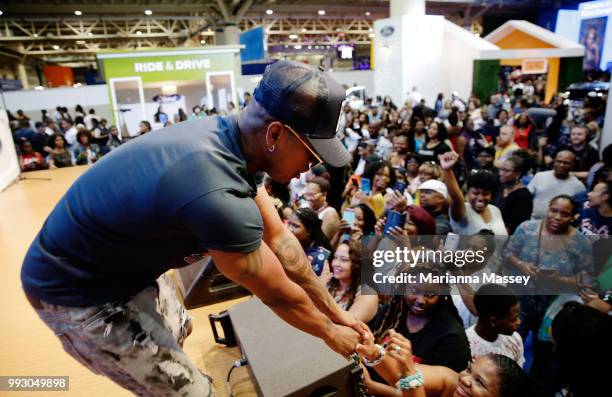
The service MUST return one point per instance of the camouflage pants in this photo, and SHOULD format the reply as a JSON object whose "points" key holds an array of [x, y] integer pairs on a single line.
{"points": [[136, 343]]}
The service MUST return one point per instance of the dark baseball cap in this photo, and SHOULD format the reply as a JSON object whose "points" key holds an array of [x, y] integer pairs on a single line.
{"points": [[309, 101]]}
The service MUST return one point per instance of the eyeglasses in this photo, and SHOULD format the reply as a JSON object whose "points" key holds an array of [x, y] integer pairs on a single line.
{"points": [[311, 163]]}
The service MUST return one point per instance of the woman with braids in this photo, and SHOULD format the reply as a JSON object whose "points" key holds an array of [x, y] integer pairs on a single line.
{"points": [[492, 375], [345, 284], [305, 225], [425, 315]]}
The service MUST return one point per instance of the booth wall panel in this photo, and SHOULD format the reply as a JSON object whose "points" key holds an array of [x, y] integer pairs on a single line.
{"points": [[457, 60], [485, 78], [32, 101], [570, 71], [552, 79]]}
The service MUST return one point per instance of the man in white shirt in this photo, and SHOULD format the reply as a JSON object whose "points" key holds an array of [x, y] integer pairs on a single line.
{"points": [[89, 119], [546, 185], [498, 320], [70, 131]]}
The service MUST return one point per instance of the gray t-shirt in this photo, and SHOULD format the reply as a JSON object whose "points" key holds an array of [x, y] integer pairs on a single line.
{"points": [[545, 186], [155, 203]]}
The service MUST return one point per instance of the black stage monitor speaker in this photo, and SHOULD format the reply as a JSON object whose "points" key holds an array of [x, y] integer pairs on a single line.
{"points": [[202, 284], [284, 361]]}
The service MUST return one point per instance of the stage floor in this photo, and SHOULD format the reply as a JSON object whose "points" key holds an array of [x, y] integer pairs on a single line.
{"points": [[28, 347]]}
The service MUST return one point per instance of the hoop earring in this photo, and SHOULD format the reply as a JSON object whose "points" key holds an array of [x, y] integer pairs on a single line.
{"points": [[272, 149]]}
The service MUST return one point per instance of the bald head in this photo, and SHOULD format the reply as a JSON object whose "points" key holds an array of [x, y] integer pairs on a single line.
{"points": [[564, 163], [506, 136]]}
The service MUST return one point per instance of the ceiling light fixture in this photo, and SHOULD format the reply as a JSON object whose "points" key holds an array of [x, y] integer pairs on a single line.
{"points": [[269, 12], [148, 12], [89, 34], [138, 32], [368, 13], [304, 30], [78, 13], [321, 12], [372, 35], [293, 36], [1, 12], [297, 47], [56, 47]]}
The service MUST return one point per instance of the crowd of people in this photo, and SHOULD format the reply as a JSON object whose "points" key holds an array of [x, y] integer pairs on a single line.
{"points": [[463, 167], [64, 139], [484, 170]]}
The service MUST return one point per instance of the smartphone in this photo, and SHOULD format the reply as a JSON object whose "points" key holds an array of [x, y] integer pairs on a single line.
{"points": [[548, 272], [394, 218], [400, 186], [319, 256], [452, 242], [366, 186], [349, 216]]}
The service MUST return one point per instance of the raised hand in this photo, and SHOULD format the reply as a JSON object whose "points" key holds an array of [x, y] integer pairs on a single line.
{"points": [[448, 160], [395, 201], [380, 225]]}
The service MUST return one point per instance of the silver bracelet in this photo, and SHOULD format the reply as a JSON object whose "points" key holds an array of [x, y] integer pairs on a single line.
{"points": [[373, 363]]}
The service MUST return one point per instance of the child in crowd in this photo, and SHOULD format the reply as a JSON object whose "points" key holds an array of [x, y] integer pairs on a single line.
{"points": [[498, 320]]}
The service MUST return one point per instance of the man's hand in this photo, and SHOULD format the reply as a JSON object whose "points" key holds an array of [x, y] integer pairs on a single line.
{"points": [[342, 340], [349, 320], [448, 160]]}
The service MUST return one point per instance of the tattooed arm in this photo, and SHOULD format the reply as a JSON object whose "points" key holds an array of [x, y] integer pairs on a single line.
{"points": [[262, 274], [297, 266]]}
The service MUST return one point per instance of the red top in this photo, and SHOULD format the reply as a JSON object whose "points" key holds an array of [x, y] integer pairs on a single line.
{"points": [[521, 136]]}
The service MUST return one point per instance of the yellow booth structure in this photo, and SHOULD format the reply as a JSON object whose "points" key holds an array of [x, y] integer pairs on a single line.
{"points": [[537, 51]]}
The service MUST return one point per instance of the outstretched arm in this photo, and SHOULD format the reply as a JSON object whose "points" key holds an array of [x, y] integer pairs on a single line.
{"points": [[297, 266], [457, 201], [262, 274]]}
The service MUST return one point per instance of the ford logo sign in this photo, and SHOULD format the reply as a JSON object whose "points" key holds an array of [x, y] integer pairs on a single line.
{"points": [[387, 31]]}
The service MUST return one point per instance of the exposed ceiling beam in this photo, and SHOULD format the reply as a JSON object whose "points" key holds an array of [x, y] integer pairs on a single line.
{"points": [[48, 8], [223, 9]]}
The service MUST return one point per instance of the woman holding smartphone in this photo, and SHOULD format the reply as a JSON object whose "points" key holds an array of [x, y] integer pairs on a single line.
{"points": [[357, 221], [553, 254], [306, 227]]}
